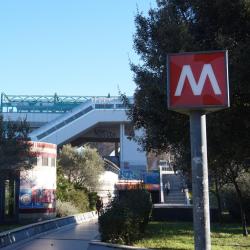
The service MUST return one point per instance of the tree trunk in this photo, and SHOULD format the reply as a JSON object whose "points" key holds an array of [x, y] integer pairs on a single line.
{"points": [[242, 209], [217, 194]]}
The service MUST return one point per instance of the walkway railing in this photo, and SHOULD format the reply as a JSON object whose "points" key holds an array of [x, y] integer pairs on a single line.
{"points": [[20, 234], [55, 103]]}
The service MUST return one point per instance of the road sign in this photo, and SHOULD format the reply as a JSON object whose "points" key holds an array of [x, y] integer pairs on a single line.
{"points": [[198, 81], [197, 84]]}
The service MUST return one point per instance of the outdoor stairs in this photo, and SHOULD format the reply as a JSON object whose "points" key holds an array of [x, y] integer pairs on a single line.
{"points": [[176, 196], [176, 205]]}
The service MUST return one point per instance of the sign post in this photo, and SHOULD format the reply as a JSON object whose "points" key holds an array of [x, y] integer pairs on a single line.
{"points": [[198, 84], [201, 216]]}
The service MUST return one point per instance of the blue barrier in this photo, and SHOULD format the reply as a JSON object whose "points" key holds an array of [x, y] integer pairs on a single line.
{"points": [[30, 231]]}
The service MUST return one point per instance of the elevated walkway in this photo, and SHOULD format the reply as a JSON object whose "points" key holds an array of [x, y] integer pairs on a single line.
{"points": [[39, 110], [78, 120], [70, 125]]}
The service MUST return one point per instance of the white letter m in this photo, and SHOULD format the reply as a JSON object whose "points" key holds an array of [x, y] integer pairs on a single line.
{"points": [[197, 88]]}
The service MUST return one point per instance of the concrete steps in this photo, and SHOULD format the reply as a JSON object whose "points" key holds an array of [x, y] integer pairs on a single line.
{"points": [[175, 197], [176, 194]]}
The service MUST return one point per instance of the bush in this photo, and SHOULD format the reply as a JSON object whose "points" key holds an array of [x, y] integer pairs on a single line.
{"points": [[92, 200], [65, 208], [67, 192], [139, 203], [79, 199], [63, 186], [126, 218]]}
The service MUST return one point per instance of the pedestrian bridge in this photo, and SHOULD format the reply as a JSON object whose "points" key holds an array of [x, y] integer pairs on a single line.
{"points": [[76, 120]]}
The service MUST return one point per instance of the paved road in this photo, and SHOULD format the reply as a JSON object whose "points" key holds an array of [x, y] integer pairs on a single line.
{"points": [[75, 237]]}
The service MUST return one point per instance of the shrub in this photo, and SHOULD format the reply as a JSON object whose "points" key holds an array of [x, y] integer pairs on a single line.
{"points": [[79, 199], [63, 186], [92, 200], [65, 208], [139, 203], [126, 218], [66, 191], [117, 225]]}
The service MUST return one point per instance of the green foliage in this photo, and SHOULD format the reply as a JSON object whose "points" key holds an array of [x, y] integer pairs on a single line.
{"points": [[183, 26], [80, 199], [68, 160], [125, 220], [177, 26], [117, 225], [231, 199], [65, 208], [63, 186], [92, 200], [140, 204], [66, 192], [15, 151], [77, 173], [82, 167]]}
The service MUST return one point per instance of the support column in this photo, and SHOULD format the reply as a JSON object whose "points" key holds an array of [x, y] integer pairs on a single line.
{"points": [[201, 216], [122, 129], [116, 148]]}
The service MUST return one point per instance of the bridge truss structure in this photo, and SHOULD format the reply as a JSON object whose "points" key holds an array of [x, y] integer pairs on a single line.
{"points": [[54, 103]]}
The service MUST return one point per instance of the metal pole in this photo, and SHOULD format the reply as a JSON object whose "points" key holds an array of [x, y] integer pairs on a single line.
{"points": [[161, 187], [201, 216]]}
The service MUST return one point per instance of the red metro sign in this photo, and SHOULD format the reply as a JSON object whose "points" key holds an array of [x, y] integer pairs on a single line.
{"points": [[198, 81]]}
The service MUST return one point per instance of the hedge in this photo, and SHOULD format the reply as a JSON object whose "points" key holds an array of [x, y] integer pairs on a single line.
{"points": [[125, 219]]}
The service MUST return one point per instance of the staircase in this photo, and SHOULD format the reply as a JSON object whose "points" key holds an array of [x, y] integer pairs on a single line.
{"points": [[176, 195]]}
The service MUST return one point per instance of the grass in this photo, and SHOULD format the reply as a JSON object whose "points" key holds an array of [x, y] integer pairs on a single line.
{"points": [[179, 236]]}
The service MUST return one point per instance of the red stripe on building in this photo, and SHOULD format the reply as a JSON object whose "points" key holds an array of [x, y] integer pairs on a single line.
{"points": [[44, 145]]}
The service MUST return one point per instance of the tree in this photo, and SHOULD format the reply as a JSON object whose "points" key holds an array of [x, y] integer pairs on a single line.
{"points": [[15, 148], [81, 167], [177, 26], [228, 150], [68, 161], [230, 196], [15, 155]]}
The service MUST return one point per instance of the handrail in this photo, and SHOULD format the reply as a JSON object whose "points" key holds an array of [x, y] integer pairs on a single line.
{"points": [[62, 121], [111, 166]]}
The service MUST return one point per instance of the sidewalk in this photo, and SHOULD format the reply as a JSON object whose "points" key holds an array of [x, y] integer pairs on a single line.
{"points": [[72, 237]]}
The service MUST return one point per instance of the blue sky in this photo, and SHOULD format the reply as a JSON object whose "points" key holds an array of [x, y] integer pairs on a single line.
{"points": [[75, 47]]}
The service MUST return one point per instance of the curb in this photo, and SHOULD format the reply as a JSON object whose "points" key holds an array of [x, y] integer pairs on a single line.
{"points": [[98, 245], [27, 232]]}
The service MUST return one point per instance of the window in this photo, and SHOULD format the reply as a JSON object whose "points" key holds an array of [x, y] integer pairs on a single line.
{"points": [[45, 161], [53, 162]]}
